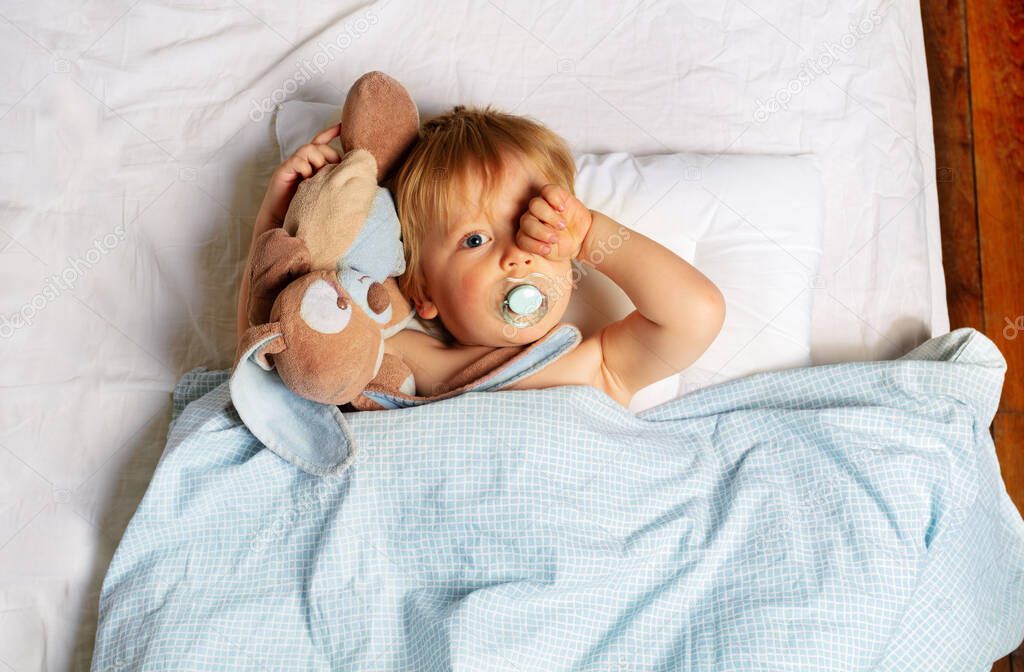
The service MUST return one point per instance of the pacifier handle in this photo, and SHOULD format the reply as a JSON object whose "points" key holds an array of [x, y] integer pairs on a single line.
{"points": [[524, 300]]}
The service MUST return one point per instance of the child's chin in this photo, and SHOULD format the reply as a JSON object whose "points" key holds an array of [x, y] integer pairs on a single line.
{"points": [[524, 335]]}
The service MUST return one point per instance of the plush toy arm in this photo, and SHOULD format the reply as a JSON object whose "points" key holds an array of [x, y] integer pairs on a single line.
{"points": [[277, 260], [394, 376]]}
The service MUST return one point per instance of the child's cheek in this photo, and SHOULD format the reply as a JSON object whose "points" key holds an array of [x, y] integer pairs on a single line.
{"points": [[469, 292], [466, 287]]}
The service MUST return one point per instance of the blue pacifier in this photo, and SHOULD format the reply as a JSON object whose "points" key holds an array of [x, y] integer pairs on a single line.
{"points": [[523, 302]]}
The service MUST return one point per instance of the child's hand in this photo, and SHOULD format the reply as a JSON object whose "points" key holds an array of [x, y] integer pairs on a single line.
{"points": [[555, 224], [301, 165]]}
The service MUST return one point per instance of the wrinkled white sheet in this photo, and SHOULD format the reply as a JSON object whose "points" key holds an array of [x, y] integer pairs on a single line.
{"points": [[136, 142]]}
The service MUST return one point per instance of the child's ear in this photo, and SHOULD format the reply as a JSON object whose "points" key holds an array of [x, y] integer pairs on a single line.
{"points": [[421, 302], [426, 309]]}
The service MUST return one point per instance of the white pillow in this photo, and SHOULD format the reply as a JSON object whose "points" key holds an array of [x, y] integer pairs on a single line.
{"points": [[752, 224]]}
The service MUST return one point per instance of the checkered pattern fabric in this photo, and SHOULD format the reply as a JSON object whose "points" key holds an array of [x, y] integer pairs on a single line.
{"points": [[842, 517]]}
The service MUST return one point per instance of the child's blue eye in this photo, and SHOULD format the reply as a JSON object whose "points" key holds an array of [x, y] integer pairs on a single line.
{"points": [[474, 240]]}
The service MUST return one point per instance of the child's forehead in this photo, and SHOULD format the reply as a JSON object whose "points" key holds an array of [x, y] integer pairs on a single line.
{"points": [[471, 196]]}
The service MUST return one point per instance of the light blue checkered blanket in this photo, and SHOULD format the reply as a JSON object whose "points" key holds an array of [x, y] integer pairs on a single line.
{"points": [[841, 517]]}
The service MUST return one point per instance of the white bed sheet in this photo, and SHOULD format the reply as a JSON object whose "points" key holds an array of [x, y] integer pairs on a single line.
{"points": [[137, 142]]}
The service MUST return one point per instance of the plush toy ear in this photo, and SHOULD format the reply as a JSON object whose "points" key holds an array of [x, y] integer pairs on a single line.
{"points": [[303, 432], [381, 117], [261, 340], [277, 259]]}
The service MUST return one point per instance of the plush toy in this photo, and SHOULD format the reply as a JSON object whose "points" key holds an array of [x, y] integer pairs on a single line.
{"points": [[323, 296]]}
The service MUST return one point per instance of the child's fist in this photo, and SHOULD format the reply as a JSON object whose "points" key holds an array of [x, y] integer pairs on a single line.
{"points": [[310, 157], [301, 165], [555, 224]]}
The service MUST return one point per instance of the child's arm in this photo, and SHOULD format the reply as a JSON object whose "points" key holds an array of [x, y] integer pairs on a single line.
{"points": [[679, 311], [285, 180]]}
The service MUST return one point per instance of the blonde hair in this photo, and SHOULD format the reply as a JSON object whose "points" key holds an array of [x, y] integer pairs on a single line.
{"points": [[451, 147]]}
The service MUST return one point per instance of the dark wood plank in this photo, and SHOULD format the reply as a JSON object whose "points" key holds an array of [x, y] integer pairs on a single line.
{"points": [[995, 38], [945, 38], [964, 39], [995, 33]]}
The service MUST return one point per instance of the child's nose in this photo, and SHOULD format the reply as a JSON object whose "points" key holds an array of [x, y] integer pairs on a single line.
{"points": [[515, 258]]}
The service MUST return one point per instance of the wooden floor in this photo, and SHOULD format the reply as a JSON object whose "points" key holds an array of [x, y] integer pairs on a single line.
{"points": [[975, 54]]}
